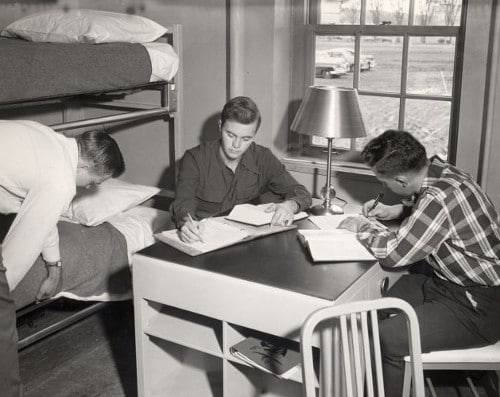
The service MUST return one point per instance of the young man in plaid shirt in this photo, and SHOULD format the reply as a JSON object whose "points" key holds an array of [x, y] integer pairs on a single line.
{"points": [[448, 225]]}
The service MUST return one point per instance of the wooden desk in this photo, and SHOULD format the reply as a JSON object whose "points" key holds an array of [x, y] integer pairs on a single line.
{"points": [[190, 310]]}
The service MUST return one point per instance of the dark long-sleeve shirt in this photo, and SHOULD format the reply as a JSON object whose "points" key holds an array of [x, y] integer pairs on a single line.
{"points": [[453, 225], [207, 187]]}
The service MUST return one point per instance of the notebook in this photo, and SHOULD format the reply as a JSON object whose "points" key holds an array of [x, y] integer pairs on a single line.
{"points": [[276, 356], [256, 214], [334, 246], [218, 233]]}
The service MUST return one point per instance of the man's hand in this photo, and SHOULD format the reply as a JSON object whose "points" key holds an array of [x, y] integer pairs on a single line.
{"points": [[382, 212], [283, 212], [51, 285], [191, 231], [353, 223]]}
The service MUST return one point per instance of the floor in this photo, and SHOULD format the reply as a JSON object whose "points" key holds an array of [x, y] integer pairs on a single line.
{"points": [[96, 358]]}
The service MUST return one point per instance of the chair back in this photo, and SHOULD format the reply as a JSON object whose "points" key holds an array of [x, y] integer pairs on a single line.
{"points": [[356, 326]]}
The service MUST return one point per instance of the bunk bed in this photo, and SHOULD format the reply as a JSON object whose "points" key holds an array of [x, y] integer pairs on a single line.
{"points": [[90, 76]]}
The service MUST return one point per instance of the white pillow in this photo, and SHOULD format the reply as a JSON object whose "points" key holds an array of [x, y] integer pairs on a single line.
{"points": [[84, 26], [94, 206], [138, 226]]}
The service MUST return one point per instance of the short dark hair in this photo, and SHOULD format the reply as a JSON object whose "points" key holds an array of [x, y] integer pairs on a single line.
{"points": [[394, 152], [98, 148], [241, 109]]}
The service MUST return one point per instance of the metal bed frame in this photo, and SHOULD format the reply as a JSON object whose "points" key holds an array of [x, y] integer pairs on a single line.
{"points": [[169, 108]]}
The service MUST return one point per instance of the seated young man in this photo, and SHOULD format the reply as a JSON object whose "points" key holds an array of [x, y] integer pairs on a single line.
{"points": [[451, 227], [217, 175]]}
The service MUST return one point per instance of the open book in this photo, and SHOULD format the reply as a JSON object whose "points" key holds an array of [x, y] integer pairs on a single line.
{"points": [[277, 356], [334, 246], [256, 214], [218, 233]]}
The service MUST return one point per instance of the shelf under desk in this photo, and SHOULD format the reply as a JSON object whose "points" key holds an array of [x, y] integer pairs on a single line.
{"points": [[268, 285]]}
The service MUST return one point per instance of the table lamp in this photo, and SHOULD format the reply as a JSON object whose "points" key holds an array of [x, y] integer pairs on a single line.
{"points": [[329, 112]]}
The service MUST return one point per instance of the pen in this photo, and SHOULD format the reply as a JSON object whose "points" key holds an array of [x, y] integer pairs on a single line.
{"points": [[192, 221], [375, 203]]}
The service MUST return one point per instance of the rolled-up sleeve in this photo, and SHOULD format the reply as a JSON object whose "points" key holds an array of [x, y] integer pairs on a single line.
{"points": [[419, 235]]}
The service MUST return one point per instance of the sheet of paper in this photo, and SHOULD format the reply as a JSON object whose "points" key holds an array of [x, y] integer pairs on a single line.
{"points": [[215, 235], [256, 214], [329, 222]]}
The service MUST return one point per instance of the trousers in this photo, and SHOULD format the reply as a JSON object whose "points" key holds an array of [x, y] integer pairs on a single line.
{"points": [[10, 382], [450, 317]]}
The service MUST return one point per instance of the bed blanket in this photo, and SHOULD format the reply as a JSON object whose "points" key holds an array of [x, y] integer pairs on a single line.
{"points": [[30, 70], [95, 266]]}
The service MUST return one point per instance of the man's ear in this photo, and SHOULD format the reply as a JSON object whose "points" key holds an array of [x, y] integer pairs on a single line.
{"points": [[219, 123], [402, 180], [82, 167]]}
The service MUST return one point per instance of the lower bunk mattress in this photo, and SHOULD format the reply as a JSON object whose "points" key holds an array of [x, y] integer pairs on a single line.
{"points": [[96, 260]]}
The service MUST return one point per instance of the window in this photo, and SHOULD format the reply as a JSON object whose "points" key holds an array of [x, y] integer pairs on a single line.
{"points": [[401, 56]]}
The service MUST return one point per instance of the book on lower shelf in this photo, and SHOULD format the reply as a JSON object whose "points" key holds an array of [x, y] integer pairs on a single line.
{"points": [[277, 356]]}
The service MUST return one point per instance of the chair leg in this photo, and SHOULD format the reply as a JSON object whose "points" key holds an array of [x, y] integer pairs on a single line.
{"points": [[472, 387], [432, 391], [407, 380]]}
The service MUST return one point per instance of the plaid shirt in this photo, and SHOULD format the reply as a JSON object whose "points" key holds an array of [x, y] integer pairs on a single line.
{"points": [[453, 226]]}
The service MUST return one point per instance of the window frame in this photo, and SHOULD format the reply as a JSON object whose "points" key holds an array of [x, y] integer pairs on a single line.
{"points": [[313, 30]]}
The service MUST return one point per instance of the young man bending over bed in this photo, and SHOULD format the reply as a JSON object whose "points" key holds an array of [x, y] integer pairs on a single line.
{"points": [[39, 172], [217, 175]]}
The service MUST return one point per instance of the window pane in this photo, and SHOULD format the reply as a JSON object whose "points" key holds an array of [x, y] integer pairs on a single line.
{"points": [[334, 62], [442, 13], [395, 12], [429, 122], [340, 12], [379, 114], [430, 66], [383, 12], [381, 64]]}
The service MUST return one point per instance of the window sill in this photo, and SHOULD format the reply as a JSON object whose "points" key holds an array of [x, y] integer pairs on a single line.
{"points": [[314, 165]]}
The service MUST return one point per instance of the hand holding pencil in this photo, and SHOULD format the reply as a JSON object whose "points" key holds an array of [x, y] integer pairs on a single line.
{"points": [[374, 209], [371, 205], [191, 231]]}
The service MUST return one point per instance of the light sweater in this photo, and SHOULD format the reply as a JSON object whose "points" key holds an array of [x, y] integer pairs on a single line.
{"points": [[37, 181]]}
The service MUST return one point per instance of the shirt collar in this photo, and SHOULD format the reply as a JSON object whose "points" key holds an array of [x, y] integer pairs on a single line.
{"points": [[434, 172], [248, 160]]}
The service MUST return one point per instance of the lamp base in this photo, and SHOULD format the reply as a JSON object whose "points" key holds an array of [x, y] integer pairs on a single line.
{"points": [[326, 209]]}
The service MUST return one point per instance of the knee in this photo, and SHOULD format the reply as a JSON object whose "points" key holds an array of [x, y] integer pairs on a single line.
{"points": [[393, 338]]}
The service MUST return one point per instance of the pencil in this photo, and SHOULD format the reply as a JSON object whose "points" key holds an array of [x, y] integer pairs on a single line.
{"points": [[192, 221], [375, 203]]}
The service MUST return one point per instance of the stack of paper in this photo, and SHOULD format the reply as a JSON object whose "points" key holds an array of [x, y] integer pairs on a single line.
{"points": [[256, 214], [218, 233]]}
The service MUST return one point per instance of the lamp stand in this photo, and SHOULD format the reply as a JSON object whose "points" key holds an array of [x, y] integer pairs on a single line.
{"points": [[327, 208]]}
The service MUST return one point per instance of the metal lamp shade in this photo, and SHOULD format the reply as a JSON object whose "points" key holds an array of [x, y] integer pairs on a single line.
{"points": [[330, 112]]}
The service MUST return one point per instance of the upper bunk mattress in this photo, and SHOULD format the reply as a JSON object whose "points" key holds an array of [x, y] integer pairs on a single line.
{"points": [[32, 71]]}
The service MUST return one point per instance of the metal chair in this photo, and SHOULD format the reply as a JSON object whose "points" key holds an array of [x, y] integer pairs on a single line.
{"points": [[485, 358], [359, 345]]}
